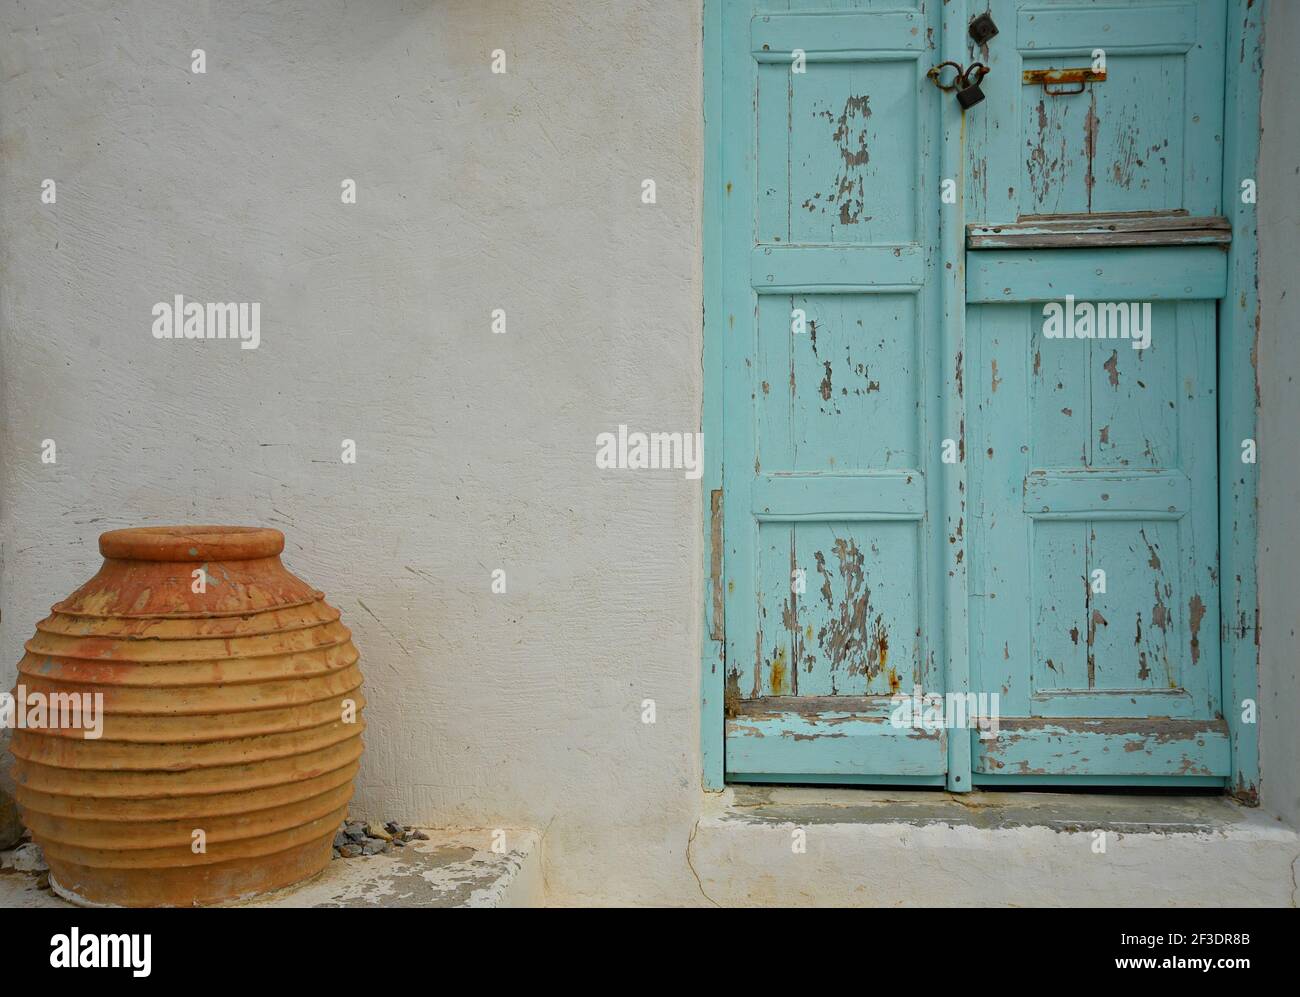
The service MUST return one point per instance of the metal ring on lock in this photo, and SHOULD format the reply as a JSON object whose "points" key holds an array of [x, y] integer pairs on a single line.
{"points": [[965, 79], [934, 71]]}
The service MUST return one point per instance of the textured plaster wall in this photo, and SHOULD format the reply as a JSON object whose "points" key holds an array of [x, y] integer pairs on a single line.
{"points": [[475, 451], [1279, 377]]}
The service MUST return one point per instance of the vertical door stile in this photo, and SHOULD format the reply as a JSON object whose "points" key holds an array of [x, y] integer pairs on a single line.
{"points": [[1238, 317], [950, 272], [713, 659], [736, 324]]}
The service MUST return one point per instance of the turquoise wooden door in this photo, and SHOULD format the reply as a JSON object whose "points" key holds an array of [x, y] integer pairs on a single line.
{"points": [[833, 388], [1094, 588], [924, 488]]}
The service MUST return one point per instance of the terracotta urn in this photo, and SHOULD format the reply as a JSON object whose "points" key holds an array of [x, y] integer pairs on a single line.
{"points": [[230, 729]]}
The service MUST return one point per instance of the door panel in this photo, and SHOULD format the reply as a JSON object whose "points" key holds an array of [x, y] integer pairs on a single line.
{"points": [[1093, 456], [857, 365], [1149, 138], [831, 391], [856, 630], [837, 149]]}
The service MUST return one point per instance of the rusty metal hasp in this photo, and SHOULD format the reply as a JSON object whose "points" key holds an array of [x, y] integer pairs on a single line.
{"points": [[1048, 78]]}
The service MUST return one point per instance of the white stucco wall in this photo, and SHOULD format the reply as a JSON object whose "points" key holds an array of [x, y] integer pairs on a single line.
{"points": [[476, 451]]}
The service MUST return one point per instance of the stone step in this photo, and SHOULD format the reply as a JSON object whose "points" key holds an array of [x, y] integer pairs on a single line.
{"points": [[826, 847], [453, 868]]}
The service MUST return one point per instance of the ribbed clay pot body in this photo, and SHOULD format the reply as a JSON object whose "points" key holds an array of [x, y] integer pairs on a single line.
{"points": [[234, 710]]}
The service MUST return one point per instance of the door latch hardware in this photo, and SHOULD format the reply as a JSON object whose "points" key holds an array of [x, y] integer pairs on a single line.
{"points": [[966, 81], [1078, 79], [935, 75], [970, 93], [982, 28]]}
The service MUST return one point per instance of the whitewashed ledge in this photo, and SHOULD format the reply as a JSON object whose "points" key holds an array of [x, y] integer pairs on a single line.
{"points": [[453, 868]]}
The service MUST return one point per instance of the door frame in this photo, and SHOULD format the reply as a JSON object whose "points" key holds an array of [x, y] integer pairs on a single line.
{"points": [[1238, 315], [1239, 395]]}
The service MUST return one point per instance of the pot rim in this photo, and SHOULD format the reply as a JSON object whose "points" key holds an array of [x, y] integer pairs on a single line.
{"points": [[191, 543]]}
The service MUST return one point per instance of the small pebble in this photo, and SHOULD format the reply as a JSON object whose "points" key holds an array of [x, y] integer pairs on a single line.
{"points": [[357, 837]]}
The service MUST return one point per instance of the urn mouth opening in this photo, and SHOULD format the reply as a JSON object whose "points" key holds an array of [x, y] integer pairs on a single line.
{"points": [[191, 543]]}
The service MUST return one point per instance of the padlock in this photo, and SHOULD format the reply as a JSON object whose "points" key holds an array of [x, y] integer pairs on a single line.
{"points": [[969, 96], [968, 91]]}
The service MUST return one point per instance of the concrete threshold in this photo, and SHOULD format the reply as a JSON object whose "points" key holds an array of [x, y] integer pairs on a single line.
{"points": [[454, 868], [757, 846]]}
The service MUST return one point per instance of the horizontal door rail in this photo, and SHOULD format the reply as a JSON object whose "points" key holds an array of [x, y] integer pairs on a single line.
{"points": [[826, 35], [795, 744], [873, 496], [1124, 747], [827, 707], [1145, 28], [1165, 273], [1094, 494], [831, 269]]}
